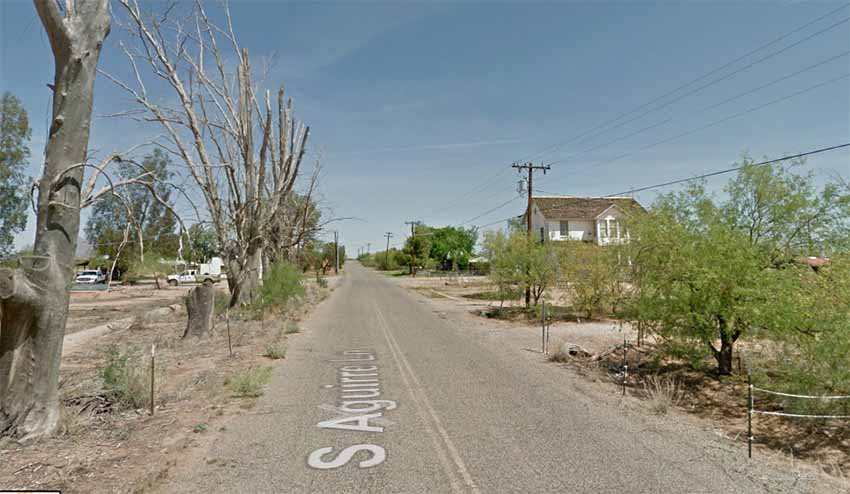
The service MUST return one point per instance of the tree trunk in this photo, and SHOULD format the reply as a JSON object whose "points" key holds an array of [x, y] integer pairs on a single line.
{"points": [[34, 297], [199, 305], [244, 280], [723, 356]]}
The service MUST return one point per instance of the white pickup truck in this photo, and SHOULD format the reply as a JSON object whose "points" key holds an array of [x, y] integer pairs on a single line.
{"points": [[199, 273], [192, 276]]}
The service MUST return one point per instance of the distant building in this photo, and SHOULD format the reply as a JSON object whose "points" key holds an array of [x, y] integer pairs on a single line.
{"points": [[590, 219]]}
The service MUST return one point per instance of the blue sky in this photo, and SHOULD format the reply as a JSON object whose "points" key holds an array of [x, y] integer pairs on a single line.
{"points": [[413, 105]]}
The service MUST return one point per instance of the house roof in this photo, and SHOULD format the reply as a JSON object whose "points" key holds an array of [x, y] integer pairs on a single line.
{"points": [[567, 207], [815, 261]]}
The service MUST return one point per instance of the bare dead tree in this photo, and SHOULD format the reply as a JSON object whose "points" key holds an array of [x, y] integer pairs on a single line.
{"points": [[34, 297], [243, 152]]}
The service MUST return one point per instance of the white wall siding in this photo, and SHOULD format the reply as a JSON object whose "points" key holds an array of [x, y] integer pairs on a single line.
{"points": [[538, 221], [576, 230]]}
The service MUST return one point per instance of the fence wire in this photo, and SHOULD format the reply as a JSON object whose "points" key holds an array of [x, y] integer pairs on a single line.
{"points": [[798, 415], [809, 397], [751, 410]]}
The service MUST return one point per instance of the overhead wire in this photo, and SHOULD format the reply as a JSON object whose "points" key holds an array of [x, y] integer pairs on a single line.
{"points": [[707, 108], [728, 170], [485, 213], [599, 163], [557, 146]]}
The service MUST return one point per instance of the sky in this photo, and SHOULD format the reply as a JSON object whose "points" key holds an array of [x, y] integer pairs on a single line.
{"points": [[418, 109]]}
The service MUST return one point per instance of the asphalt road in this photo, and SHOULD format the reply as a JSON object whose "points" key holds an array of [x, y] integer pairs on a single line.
{"points": [[383, 394]]}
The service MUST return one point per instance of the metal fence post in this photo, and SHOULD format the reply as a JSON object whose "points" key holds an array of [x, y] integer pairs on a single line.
{"points": [[543, 329], [625, 364], [749, 412], [229, 344], [153, 374]]}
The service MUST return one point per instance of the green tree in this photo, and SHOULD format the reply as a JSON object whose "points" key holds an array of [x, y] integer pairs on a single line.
{"points": [[416, 247], [517, 224], [502, 269], [109, 216], [714, 272], [517, 263], [329, 256], [202, 243], [452, 246], [14, 153], [590, 274], [812, 331]]}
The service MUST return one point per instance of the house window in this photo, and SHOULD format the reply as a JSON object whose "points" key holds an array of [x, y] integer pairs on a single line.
{"points": [[609, 228], [565, 228]]}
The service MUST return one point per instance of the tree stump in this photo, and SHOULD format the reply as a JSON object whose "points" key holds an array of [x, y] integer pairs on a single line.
{"points": [[199, 305]]}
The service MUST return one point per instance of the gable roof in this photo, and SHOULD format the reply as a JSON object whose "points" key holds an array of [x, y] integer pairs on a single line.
{"points": [[567, 207]]}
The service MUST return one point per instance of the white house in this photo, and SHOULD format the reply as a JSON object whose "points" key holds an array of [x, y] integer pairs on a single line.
{"points": [[592, 219]]}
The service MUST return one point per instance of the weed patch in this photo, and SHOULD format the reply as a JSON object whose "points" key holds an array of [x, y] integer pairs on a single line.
{"points": [[249, 383], [291, 327], [276, 350], [125, 377], [282, 285]]}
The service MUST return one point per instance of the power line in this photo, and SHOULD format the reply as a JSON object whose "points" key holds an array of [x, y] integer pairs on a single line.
{"points": [[718, 122], [719, 79], [728, 170], [498, 221], [475, 190], [485, 213], [557, 146], [709, 107]]}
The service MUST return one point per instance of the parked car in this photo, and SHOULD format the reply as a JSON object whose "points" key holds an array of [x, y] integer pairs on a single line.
{"points": [[90, 277], [192, 276]]}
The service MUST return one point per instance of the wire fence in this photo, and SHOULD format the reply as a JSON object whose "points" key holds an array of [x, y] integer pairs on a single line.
{"points": [[432, 273], [751, 410]]}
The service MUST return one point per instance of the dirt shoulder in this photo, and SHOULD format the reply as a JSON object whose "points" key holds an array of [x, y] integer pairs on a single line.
{"points": [[104, 445], [697, 400], [89, 309]]}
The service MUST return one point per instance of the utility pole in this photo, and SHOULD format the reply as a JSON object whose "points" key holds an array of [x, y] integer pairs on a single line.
{"points": [[412, 248], [336, 252], [530, 167], [387, 255], [368, 247]]}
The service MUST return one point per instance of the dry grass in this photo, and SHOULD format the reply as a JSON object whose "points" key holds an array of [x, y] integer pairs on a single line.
{"points": [[70, 422], [556, 354], [662, 394]]}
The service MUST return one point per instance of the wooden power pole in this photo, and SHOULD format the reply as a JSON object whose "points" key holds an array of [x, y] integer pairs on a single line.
{"points": [[530, 167], [336, 252], [389, 235], [412, 247]]}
